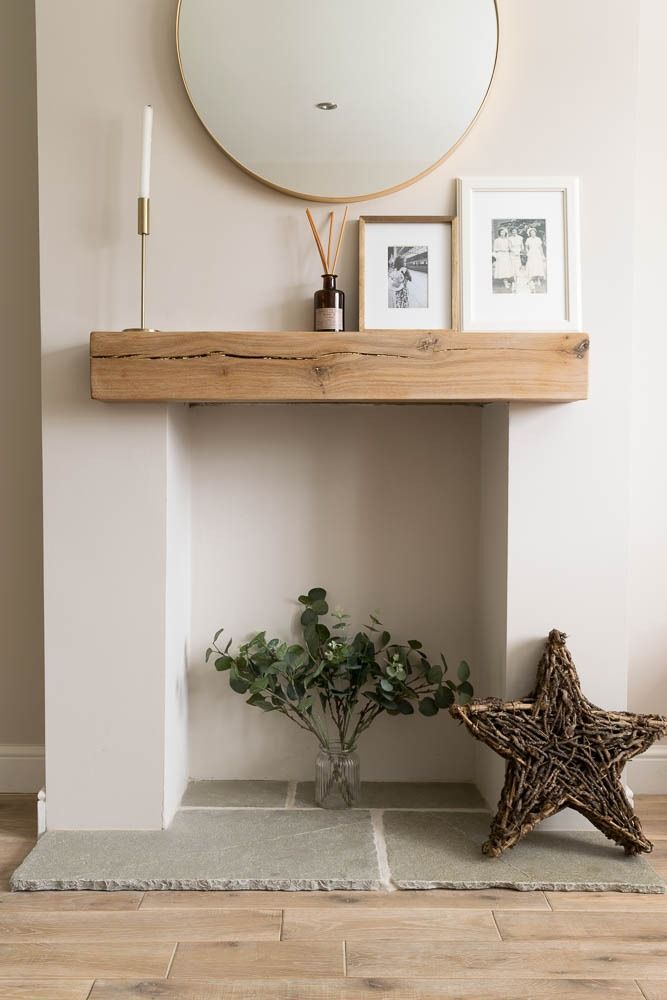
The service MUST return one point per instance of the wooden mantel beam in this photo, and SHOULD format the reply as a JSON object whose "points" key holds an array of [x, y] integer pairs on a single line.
{"points": [[305, 367]]}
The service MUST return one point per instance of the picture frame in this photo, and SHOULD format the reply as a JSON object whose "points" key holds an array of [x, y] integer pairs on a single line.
{"points": [[422, 292], [519, 254]]}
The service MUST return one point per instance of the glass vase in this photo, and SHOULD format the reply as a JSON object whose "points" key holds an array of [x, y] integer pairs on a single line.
{"points": [[337, 777]]}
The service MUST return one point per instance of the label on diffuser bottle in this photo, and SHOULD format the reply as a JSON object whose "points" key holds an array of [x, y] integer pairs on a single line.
{"points": [[329, 319]]}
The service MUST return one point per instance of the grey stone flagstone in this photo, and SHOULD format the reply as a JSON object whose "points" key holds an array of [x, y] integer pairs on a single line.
{"points": [[258, 794], [404, 795], [244, 847], [429, 850]]}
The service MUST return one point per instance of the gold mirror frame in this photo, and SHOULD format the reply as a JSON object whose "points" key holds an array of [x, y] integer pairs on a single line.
{"points": [[354, 198]]}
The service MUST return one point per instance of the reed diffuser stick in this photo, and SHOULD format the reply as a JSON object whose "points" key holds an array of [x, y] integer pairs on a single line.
{"points": [[331, 223], [340, 240], [318, 241]]}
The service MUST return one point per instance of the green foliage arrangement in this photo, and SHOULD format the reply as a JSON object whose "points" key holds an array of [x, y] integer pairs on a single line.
{"points": [[335, 685]]}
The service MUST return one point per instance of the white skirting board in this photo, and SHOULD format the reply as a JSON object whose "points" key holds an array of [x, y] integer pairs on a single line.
{"points": [[647, 775], [21, 768]]}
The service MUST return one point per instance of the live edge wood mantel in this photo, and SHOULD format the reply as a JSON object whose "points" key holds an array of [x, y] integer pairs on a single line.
{"points": [[305, 367]]}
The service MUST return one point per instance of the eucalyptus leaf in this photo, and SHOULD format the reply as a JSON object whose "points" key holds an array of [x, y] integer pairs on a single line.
{"points": [[238, 684], [434, 675], [427, 706], [444, 697], [464, 671], [259, 702]]}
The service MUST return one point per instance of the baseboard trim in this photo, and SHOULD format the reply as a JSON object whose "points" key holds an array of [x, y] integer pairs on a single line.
{"points": [[647, 775], [21, 768]]}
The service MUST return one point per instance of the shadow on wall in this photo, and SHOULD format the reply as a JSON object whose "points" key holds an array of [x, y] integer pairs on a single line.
{"points": [[378, 504]]}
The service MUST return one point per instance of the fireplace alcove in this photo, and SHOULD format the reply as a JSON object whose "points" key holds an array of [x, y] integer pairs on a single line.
{"points": [[404, 503], [412, 506]]}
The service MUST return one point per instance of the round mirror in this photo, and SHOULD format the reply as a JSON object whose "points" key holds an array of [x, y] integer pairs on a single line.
{"points": [[337, 101]]}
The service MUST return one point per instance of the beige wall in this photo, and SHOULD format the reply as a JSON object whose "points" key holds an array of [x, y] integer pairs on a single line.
{"points": [[648, 479], [648, 482], [379, 505], [21, 649]]}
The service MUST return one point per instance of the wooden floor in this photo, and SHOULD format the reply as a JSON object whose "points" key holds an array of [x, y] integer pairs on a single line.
{"points": [[486, 945]]}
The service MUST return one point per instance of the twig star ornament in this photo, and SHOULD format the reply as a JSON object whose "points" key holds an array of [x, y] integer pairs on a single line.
{"points": [[561, 751]]}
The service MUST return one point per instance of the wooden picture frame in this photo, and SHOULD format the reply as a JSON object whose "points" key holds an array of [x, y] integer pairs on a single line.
{"points": [[418, 318]]}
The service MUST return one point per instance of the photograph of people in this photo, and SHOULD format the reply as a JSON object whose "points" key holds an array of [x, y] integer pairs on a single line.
{"points": [[522, 283], [518, 256], [516, 249], [407, 277], [503, 270], [536, 263], [399, 276]]}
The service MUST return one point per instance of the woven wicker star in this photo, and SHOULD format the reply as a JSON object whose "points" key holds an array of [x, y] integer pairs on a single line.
{"points": [[561, 751]]}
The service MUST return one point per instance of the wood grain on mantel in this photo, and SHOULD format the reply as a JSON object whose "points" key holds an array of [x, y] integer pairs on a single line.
{"points": [[305, 367]]}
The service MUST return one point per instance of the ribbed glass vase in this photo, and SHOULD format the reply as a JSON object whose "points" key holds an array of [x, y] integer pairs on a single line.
{"points": [[337, 781]]}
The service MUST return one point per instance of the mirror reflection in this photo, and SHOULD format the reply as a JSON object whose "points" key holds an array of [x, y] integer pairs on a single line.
{"points": [[337, 101]]}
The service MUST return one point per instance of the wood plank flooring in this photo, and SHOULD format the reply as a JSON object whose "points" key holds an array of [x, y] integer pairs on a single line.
{"points": [[438, 945]]}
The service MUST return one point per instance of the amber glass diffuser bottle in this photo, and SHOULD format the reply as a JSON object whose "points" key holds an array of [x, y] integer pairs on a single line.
{"points": [[329, 306], [329, 301]]}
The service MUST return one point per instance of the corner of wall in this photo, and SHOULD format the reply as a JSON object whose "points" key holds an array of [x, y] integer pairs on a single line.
{"points": [[177, 605], [492, 597]]}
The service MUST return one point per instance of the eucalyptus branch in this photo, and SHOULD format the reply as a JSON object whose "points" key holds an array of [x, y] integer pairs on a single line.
{"points": [[319, 685]]}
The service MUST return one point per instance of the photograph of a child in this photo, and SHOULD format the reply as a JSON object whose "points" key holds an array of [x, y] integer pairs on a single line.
{"points": [[519, 256], [407, 277]]}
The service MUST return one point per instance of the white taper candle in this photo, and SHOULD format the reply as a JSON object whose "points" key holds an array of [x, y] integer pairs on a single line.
{"points": [[147, 138]]}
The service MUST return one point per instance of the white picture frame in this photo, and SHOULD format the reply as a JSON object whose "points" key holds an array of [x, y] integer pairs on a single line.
{"points": [[519, 254], [426, 248]]}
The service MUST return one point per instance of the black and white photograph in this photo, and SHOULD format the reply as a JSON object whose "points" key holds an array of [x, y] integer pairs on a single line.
{"points": [[407, 277], [519, 256]]}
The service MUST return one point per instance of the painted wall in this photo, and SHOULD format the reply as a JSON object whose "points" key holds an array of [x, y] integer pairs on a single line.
{"points": [[21, 626], [177, 609], [378, 504], [107, 535], [227, 252], [648, 479]]}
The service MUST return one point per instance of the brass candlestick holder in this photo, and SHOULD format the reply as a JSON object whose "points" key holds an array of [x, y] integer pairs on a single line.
{"points": [[143, 229]]}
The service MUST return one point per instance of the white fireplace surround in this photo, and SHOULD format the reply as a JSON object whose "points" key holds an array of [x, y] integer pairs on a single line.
{"points": [[477, 528]]}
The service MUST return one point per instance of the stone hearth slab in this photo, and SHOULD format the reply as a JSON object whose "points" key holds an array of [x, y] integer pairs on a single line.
{"points": [[220, 849], [302, 847], [258, 794], [438, 850], [404, 795]]}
